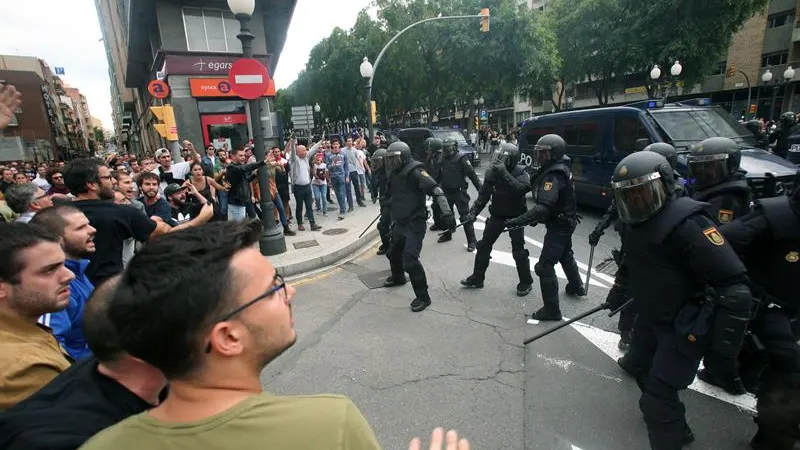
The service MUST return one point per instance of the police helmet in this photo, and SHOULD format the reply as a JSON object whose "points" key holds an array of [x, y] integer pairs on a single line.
{"points": [[549, 148], [788, 119], [753, 126], [665, 150], [713, 161], [397, 155], [450, 147], [642, 185], [507, 155], [433, 145], [376, 162]]}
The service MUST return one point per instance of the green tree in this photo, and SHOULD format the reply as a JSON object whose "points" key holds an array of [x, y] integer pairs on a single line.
{"points": [[99, 137]]}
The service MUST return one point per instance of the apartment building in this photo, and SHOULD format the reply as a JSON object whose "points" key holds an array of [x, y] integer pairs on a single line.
{"points": [[190, 44]]}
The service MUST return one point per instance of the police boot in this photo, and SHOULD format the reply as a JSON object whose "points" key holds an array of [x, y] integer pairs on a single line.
{"points": [[576, 289], [469, 230], [395, 280], [550, 310], [624, 341], [472, 281], [731, 384], [448, 236], [524, 289], [422, 300], [434, 227], [383, 249]]}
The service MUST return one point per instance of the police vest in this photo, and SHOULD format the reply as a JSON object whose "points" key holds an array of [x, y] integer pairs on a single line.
{"points": [[506, 202], [567, 206], [659, 280], [408, 200], [453, 176], [380, 179], [728, 200], [774, 266]]}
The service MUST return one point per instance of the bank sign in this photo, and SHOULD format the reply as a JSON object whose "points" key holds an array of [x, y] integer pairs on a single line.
{"points": [[204, 65]]}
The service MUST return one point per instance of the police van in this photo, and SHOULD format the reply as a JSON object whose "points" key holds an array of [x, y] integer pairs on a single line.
{"points": [[415, 138], [597, 139]]}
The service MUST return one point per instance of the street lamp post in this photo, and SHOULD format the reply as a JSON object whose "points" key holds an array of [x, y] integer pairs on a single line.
{"points": [[272, 241], [318, 120], [767, 77], [367, 71]]}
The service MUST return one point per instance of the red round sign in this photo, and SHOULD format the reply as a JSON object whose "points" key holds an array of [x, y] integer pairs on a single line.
{"points": [[158, 89], [249, 78]]}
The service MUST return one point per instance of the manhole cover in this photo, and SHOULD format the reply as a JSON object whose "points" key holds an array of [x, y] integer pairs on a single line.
{"points": [[375, 280], [334, 231], [305, 244]]}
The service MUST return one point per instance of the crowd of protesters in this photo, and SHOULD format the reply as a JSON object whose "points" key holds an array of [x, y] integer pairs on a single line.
{"points": [[137, 312]]}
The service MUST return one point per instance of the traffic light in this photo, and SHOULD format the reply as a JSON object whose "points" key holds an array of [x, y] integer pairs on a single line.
{"points": [[484, 20], [476, 123], [373, 112], [168, 130], [731, 71]]}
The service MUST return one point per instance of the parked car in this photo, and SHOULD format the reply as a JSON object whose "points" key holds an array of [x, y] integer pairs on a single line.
{"points": [[415, 138], [597, 139]]}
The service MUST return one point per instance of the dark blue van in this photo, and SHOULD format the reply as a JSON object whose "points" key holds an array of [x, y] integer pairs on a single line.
{"points": [[597, 139]]}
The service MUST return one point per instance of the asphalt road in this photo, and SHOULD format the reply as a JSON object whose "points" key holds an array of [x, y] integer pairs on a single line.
{"points": [[461, 362]]}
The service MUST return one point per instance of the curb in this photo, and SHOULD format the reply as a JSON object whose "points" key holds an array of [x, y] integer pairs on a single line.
{"points": [[329, 259]]}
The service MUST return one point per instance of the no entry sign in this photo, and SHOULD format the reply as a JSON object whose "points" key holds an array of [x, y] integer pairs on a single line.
{"points": [[249, 78]]}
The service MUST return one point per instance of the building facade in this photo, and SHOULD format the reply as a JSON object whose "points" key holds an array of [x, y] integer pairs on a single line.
{"points": [[768, 41], [190, 44], [46, 125], [83, 117]]}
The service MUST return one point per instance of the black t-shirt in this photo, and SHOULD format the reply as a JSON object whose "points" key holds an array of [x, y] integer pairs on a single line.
{"points": [[160, 209], [65, 413], [114, 224], [184, 213]]}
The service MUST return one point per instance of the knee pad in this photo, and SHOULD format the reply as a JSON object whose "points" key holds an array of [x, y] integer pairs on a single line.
{"points": [[521, 254], [544, 270]]}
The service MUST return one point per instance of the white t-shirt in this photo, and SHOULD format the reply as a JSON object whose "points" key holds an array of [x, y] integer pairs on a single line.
{"points": [[320, 174], [178, 171], [361, 157]]}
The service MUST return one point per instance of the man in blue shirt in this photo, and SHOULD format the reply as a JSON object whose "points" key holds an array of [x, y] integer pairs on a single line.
{"points": [[339, 171], [77, 240]]}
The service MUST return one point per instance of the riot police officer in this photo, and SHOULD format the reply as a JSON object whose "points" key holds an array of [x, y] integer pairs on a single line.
{"points": [[409, 184], [762, 140], [716, 179], [786, 128], [674, 252], [380, 180], [768, 240], [506, 184], [455, 168], [555, 207], [433, 165]]}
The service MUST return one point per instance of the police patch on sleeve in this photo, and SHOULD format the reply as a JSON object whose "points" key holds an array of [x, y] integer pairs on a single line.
{"points": [[714, 236], [725, 215], [548, 185], [793, 257], [423, 173]]}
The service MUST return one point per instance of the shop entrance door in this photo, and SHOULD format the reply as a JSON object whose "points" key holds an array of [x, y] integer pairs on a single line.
{"points": [[221, 129]]}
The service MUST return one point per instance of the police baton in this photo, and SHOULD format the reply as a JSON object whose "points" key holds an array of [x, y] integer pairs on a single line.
{"points": [[566, 324], [369, 226], [589, 271], [454, 229]]}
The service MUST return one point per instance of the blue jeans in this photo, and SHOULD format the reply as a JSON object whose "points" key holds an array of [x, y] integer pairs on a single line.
{"points": [[222, 196], [281, 212], [319, 195], [339, 188], [237, 213], [356, 184]]}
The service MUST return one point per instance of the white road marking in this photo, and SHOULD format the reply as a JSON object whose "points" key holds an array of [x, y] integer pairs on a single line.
{"points": [[567, 364], [507, 259], [606, 341]]}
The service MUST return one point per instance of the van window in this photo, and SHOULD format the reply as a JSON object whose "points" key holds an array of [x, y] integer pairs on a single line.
{"points": [[582, 137], [532, 136], [626, 131]]}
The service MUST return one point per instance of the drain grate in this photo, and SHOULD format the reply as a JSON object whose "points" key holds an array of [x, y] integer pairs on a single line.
{"points": [[375, 280], [335, 231], [305, 244]]}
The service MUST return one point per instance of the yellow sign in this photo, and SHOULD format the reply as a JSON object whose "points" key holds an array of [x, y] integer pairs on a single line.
{"points": [[636, 90], [548, 185], [168, 130], [725, 215], [714, 236], [793, 257]]}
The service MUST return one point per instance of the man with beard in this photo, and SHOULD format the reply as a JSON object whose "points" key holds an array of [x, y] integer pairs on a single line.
{"points": [[77, 241], [33, 281], [173, 173], [183, 214], [89, 180], [212, 340], [154, 204]]}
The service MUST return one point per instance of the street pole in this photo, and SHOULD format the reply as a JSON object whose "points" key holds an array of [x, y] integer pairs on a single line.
{"points": [[368, 88], [272, 241], [749, 91]]}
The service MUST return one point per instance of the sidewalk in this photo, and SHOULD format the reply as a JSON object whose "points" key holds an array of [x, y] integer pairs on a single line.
{"points": [[338, 239]]}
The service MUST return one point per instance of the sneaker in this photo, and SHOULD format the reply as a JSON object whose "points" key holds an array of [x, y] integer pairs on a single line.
{"points": [[341, 217], [325, 214], [301, 227], [472, 282], [419, 304], [350, 209], [524, 289], [362, 204], [315, 227], [545, 314]]}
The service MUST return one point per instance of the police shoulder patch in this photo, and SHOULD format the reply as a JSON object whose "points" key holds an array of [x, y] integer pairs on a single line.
{"points": [[793, 257], [423, 173], [714, 236], [725, 215], [548, 185]]}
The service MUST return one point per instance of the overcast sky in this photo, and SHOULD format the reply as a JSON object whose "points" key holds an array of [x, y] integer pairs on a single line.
{"points": [[66, 33]]}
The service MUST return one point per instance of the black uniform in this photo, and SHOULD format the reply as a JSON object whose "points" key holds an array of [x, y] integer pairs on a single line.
{"points": [[768, 239], [409, 184], [455, 168], [787, 126], [673, 253], [380, 184], [554, 194], [714, 170], [506, 190], [727, 200], [433, 165]]}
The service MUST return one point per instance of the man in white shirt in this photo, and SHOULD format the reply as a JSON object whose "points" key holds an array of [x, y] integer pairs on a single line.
{"points": [[301, 185], [172, 173], [41, 178]]}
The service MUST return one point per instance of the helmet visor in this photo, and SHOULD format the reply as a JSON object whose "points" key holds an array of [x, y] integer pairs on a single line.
{"points": [[505, 158], [639, 199], [541, 155], [708, 170], [376, 162], [393, 161]]}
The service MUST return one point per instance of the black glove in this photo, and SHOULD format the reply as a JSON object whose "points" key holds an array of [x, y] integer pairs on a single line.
{"points": [[516, 222], [449, 222], [594, 237], [470, 217]]}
